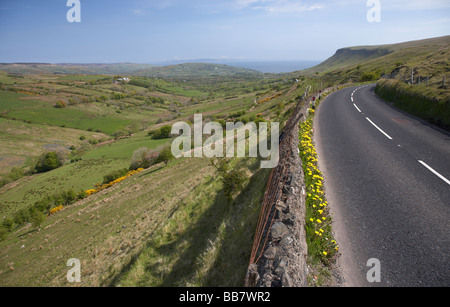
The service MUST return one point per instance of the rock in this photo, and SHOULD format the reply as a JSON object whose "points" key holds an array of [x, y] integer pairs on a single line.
{"points": [[286, 281], [286, 243], [252, 278], [271, 253], [278, 231], [289, 219]]}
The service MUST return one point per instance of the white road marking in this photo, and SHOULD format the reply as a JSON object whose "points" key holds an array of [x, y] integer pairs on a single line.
{"points": [[352, 98], [434, 172], [387, 135], [357, 108]]}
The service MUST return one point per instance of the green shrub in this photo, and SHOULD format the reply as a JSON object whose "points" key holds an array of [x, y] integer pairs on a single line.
{"points": [[21, 217], [162, 133], [114, 175], [37, 218], [8, 223], [164, 156], [233, 179], [143, 158], [3, 233], [60, 104], [370, 76], [48, 161]]}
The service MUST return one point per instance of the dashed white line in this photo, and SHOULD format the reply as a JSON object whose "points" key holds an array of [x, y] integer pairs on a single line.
{"points": [[434, 172], [357, 108], [387, 135]]}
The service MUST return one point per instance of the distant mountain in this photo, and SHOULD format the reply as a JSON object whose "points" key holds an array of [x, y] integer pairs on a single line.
{"points": [[265, 66]]}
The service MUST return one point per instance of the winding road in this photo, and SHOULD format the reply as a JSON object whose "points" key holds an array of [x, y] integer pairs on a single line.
{"points": [[387, 180]]}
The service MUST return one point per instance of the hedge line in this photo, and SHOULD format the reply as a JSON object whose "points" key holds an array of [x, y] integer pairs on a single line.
{"points": [[419, 101]]}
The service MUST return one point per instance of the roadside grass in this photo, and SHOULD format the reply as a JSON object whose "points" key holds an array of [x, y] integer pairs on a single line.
{"points": [[320, 238], [323, 250], [430, 104]]}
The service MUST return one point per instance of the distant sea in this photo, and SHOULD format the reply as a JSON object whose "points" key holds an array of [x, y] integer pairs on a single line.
{"points": [[275, 66]]}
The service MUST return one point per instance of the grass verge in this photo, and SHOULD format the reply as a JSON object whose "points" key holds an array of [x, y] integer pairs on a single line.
{"points": [[322, 247], [430, 104]]}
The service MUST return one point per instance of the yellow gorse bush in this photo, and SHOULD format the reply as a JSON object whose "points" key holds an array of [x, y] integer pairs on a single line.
{"points": [[26, 92], [270, 98], [56, 209], [109, 184]]}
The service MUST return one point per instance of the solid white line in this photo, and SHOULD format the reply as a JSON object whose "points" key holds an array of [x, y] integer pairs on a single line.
{"points": [[357, 108], [434, 172], [387, 135], [352, 98]]}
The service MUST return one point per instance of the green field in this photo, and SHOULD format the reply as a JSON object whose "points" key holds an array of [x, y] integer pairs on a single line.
{"points": [[11, 101], [126, 147], [72, 118]]}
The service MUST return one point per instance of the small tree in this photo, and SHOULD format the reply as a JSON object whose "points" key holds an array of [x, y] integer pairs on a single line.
{"points": [[47, 162], [165, 155], [22, 216], [233, 179], [8, 223], [162, 133], [60, 104], [143, 158], [37, 218]]}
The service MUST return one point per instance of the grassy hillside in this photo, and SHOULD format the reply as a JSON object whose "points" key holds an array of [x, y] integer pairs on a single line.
{"points": [[426, 61], [166, 226], [429, 57]]}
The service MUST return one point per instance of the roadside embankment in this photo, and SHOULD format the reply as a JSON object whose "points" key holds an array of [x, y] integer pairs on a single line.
{"points": [[429, 104]]}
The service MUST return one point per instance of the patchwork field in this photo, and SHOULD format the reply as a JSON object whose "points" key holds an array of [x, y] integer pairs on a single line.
{"points": [[176, 219]]}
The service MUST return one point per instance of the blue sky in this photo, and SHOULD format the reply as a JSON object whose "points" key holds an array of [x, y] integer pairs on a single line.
{"points": [[148, 31]]}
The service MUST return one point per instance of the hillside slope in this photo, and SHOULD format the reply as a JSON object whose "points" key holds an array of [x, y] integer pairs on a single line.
{"points": [[428, 56]]}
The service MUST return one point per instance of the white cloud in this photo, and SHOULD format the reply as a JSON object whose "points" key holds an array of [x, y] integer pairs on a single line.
{"points": [[139, 12], [415, 5], [277, 6]]}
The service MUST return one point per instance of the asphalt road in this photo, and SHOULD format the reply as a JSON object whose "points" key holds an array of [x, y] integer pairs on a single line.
{"points": [[387, 183]]}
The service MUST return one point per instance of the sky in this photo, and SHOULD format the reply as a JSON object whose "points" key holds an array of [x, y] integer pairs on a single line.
{"points": [[151, 31]]}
